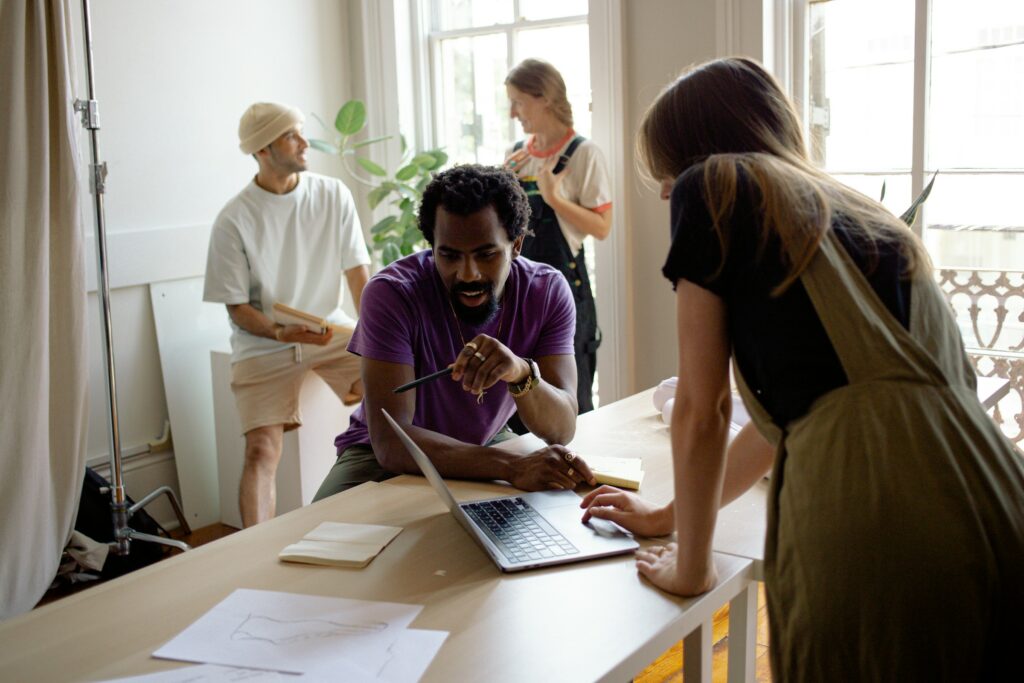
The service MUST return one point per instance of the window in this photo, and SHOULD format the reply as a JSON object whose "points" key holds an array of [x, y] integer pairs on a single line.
{"points": [[895, 90], [474, 44], [964, 63]]}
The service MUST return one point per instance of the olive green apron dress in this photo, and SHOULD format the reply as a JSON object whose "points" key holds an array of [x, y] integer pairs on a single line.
{"points": [[895, 545]]}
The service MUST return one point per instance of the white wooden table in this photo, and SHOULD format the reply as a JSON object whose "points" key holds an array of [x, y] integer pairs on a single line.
{"points": [[590, 621]]}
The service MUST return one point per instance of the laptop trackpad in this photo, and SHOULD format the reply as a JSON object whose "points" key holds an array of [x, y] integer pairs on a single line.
{"points": [[562, 509]]}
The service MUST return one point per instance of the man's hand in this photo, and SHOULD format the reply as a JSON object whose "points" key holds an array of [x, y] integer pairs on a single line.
{"points": [[298, 334], [628, 510], [551, 467], [485, 361]]}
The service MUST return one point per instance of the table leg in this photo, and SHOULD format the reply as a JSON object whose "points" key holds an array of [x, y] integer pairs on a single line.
{"points": [[743, 635], [697, 654]]}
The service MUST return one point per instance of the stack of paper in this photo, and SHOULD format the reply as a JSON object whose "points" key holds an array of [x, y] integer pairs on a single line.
{"points": [[625, 473], [329, 638], [340, 544]]}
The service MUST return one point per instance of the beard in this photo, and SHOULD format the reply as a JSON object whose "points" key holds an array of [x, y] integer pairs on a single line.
{"points": [[288, 164], [474, 315]]}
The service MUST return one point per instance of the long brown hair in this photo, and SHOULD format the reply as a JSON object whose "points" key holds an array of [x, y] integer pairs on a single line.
{"points": [[539, 79], [732, 116]]}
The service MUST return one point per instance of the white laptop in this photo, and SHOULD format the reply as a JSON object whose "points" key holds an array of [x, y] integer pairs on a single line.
{"points": [[526, 530]]}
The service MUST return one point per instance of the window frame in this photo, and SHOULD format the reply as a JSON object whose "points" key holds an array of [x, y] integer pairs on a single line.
{"points": [[399, 94]]}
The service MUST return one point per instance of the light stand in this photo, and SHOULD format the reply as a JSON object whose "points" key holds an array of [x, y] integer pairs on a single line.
{"points": [[120, 510]]}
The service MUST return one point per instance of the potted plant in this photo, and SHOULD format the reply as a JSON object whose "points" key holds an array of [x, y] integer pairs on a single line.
{"points": [[396, 234]]}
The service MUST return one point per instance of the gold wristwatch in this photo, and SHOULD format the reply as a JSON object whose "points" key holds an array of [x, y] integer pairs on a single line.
{"points": [[520, 389]]}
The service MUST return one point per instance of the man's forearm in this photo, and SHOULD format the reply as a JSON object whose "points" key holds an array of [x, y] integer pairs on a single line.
{"points": [[548, 412], [253, 320], [452, 458]]}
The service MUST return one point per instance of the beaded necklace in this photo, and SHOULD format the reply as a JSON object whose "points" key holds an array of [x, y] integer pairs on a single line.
{"points": [[458, 326]]}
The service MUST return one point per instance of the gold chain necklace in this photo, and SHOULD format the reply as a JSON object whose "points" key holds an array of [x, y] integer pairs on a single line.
{"points": [[458, 326]]}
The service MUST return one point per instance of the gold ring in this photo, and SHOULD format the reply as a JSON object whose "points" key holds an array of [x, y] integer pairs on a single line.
{"points": [[569, 456], [571, 472], [481, 357], [473, 346]]}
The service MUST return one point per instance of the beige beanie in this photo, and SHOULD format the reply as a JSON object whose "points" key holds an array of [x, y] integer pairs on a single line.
{"points": [[264, 122]]}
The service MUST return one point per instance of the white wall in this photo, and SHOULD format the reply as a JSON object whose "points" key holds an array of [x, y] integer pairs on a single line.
{"points": [[172, 79], [662, 37]]}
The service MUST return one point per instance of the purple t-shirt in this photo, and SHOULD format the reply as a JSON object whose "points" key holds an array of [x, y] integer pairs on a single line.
{"points": [[406, 318]]}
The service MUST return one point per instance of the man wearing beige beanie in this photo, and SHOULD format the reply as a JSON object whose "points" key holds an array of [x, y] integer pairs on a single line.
{"points": [[287, 237]]}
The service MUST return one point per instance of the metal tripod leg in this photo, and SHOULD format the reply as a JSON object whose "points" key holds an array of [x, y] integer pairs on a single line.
{"points": [[182, 522], [134, 535]]}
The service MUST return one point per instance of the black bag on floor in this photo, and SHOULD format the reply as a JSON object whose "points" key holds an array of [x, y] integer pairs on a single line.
{"points": [[95, 521]]}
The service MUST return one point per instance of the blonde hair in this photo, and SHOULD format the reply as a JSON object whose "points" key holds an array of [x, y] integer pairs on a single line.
{"points": [[539, 79], [732, 116]]}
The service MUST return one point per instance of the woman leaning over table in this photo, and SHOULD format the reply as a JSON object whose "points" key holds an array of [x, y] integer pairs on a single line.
{"points": [[566, 181], [895, 546]]}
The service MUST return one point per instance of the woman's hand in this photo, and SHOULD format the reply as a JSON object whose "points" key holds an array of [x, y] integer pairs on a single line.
{"points": [[549, 182], [514, 161], [628, 510], [661, 566]]}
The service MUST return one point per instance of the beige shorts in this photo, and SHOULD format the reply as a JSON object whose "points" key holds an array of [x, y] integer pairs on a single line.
{"points": [[267, 387]]}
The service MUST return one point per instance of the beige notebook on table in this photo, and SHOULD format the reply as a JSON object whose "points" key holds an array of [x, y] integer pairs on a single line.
{"points": [[626, 473], [340, 544]]}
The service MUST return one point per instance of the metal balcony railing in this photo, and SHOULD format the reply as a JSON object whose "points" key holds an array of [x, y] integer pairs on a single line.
{"points": [[989, 309]]}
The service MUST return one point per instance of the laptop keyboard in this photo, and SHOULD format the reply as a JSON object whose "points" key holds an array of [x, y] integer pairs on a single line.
{"points": [[519, 531]]}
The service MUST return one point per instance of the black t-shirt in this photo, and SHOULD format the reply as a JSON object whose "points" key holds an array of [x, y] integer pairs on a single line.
{"points": [[781, 347]]}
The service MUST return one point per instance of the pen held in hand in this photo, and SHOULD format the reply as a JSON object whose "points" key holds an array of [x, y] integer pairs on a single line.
{"points": [[426, 378]]}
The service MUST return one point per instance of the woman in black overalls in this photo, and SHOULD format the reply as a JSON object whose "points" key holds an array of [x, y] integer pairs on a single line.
{"points": [[538, 99]]}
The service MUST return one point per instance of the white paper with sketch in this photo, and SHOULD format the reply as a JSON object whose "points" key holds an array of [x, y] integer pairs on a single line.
{"points": [[410, 655], [340, 544], [292, 633], [212, 673]]}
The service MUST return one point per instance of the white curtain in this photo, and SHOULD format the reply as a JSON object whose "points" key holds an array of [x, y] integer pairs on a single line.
{"points": [[43, 367]]}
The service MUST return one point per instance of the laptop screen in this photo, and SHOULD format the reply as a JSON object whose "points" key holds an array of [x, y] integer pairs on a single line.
{"points": [[427, 467]]}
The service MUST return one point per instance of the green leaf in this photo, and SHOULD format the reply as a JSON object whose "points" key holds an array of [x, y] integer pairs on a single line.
{"points": [[371, 141], [383, 224], [425, 160], [407, 172], [323, 146], [882, 198], [407, 248], [441, 157], [377, 195], [412, 234], [422, 184], [405, 145], [371, 167], [409, 192], [910, 215], [351, 117], [390, 253], [406, 205], [320, 121]]}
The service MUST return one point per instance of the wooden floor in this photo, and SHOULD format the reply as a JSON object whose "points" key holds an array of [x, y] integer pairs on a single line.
{"points": [[668, 668]]}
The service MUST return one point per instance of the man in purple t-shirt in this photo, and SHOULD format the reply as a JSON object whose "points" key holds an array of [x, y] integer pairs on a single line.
{"points": [[504, 323]]}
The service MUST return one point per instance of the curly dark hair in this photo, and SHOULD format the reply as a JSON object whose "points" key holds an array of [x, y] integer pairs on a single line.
{"points": [[468, 188]]}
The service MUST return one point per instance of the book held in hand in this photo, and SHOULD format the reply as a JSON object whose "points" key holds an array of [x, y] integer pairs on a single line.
{"points": [[286, 315]]}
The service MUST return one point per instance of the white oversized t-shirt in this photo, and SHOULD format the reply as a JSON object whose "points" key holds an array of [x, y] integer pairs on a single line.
{"points": [[586, 181], [289, 248]]}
